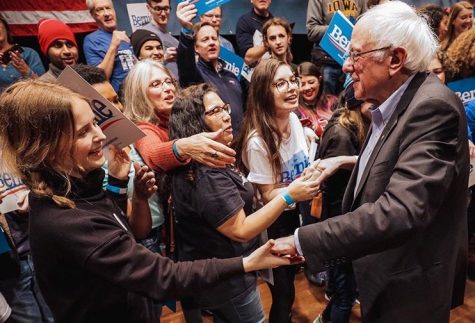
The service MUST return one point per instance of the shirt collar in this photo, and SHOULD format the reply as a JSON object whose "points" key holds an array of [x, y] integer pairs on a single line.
{"points": [[382, 113]]}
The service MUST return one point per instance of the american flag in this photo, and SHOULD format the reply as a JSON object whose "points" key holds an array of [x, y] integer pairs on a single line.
{"points": [[23, 15]]}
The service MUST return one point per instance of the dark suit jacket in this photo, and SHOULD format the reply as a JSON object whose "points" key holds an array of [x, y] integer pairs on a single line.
{"points": [[406, 228]]}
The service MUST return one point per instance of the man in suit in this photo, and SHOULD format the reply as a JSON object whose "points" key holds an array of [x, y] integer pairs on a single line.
{"points": [[404, 222]]}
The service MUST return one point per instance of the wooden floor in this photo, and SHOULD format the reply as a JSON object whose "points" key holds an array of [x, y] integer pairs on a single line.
{"points": [[310, 301]]}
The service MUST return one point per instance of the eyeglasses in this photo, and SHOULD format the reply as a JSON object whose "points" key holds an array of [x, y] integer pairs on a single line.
{"points": [[355, 56], [159, 9], [159, 84], [283, 86], [219, 109]]}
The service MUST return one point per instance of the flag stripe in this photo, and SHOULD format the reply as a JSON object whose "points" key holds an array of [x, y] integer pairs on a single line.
{"points": [[33, 17]]}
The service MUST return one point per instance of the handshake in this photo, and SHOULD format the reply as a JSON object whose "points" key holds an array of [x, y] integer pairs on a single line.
{"points": [[283, 251]]}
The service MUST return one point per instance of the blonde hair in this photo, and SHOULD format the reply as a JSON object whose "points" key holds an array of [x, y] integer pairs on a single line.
{"points": [[138, 106], [37, 136]]}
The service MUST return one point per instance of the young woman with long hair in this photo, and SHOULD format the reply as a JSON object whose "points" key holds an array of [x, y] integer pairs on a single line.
{"points": [[213, 207], [273, 152], [315, 107], [277, 36], [88, 264], [460, 20]]}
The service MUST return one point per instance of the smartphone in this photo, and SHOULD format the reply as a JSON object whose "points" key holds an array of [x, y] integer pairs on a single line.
{"points": [[6, 55]]}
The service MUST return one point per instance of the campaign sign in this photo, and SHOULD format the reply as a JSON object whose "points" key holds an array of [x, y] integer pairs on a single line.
{"points": [[336, 41], [138, 15], [465, 89], [233, 62], [203, 6], [14, 190], [119, 130]]}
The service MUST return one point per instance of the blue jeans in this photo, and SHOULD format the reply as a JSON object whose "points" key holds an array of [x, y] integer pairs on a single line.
{"points": [[24, 297], [343, 282], [244, 308], [332, 79]]}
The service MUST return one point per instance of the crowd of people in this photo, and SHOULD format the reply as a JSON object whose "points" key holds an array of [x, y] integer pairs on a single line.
{"points": [[226, 185]]}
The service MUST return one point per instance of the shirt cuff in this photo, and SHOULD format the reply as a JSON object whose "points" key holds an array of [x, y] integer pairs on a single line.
{"points": [[297, 242]]}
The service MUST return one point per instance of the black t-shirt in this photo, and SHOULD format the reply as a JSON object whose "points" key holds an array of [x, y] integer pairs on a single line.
{"points": [[201, 206]]}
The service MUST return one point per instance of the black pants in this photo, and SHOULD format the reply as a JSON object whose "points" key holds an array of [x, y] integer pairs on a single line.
{"points": [[283, 291]]}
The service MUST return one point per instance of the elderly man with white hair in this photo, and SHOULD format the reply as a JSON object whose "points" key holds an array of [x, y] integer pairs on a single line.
{"points": [[107, 47], [404, 224]]}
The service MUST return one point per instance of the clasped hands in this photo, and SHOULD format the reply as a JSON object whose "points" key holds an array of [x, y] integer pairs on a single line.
{"points": [[319, 171]]}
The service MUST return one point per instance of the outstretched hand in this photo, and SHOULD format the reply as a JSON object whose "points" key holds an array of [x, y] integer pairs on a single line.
{"points": [[205, 149], [285, 246], [144, 182], [264, 258]]}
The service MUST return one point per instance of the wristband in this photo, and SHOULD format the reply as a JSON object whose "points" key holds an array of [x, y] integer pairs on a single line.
{"points": [[117, 190], [287, 198], [175, 151], [185, 30]]}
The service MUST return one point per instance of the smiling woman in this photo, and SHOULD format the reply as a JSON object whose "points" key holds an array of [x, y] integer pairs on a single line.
{"points": [[214, 211], [274, 152], [88, 264]]}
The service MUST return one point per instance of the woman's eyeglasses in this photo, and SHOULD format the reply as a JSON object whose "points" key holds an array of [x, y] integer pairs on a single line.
{"points": [[219, 109], [284, 85]]}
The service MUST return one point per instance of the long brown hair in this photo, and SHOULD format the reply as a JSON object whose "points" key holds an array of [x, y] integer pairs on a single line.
{"points": [[260, 116], [37, 136], [454, 12]]}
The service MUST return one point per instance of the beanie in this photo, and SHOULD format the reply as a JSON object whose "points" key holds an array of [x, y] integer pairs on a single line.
{"points": [[50, 30], [139, 37]]}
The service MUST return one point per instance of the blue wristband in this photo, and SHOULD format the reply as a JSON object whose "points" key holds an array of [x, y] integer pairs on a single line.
{"points": [[175, 152], [287, 198], [185, 30], [117, 190]]}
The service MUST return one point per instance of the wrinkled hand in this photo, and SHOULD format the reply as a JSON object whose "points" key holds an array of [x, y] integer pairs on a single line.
{"points": [[285, 246], [119, 162], [117, 37], [144, 182], [325, 168], [19, 63], [263, 258], [304, 188], [204, 149], [185, 12], [170, 55]]}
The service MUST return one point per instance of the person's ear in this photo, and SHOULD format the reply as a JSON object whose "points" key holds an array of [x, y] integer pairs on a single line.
{"points": [[397, 60]]}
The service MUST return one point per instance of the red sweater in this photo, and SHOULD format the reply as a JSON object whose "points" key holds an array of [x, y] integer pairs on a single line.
{"points": [[156, 148]]}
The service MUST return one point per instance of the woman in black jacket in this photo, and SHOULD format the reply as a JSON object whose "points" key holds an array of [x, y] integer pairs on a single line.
{"points": [[88, 264], [344, 135]]}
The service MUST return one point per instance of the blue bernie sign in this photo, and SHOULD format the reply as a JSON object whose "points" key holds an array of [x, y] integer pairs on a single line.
{"points": [[336, 41]]}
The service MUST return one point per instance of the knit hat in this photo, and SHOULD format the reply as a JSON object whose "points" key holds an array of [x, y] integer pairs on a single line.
{"points": [[50, 30], [139, 37]]}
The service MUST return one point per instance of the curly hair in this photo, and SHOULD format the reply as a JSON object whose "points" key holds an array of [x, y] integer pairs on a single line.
{"points": [[187, 116], [460, 60]]}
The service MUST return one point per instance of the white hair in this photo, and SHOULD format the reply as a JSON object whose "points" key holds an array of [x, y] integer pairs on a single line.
{"points": [[396, 24], [91, 5]]}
